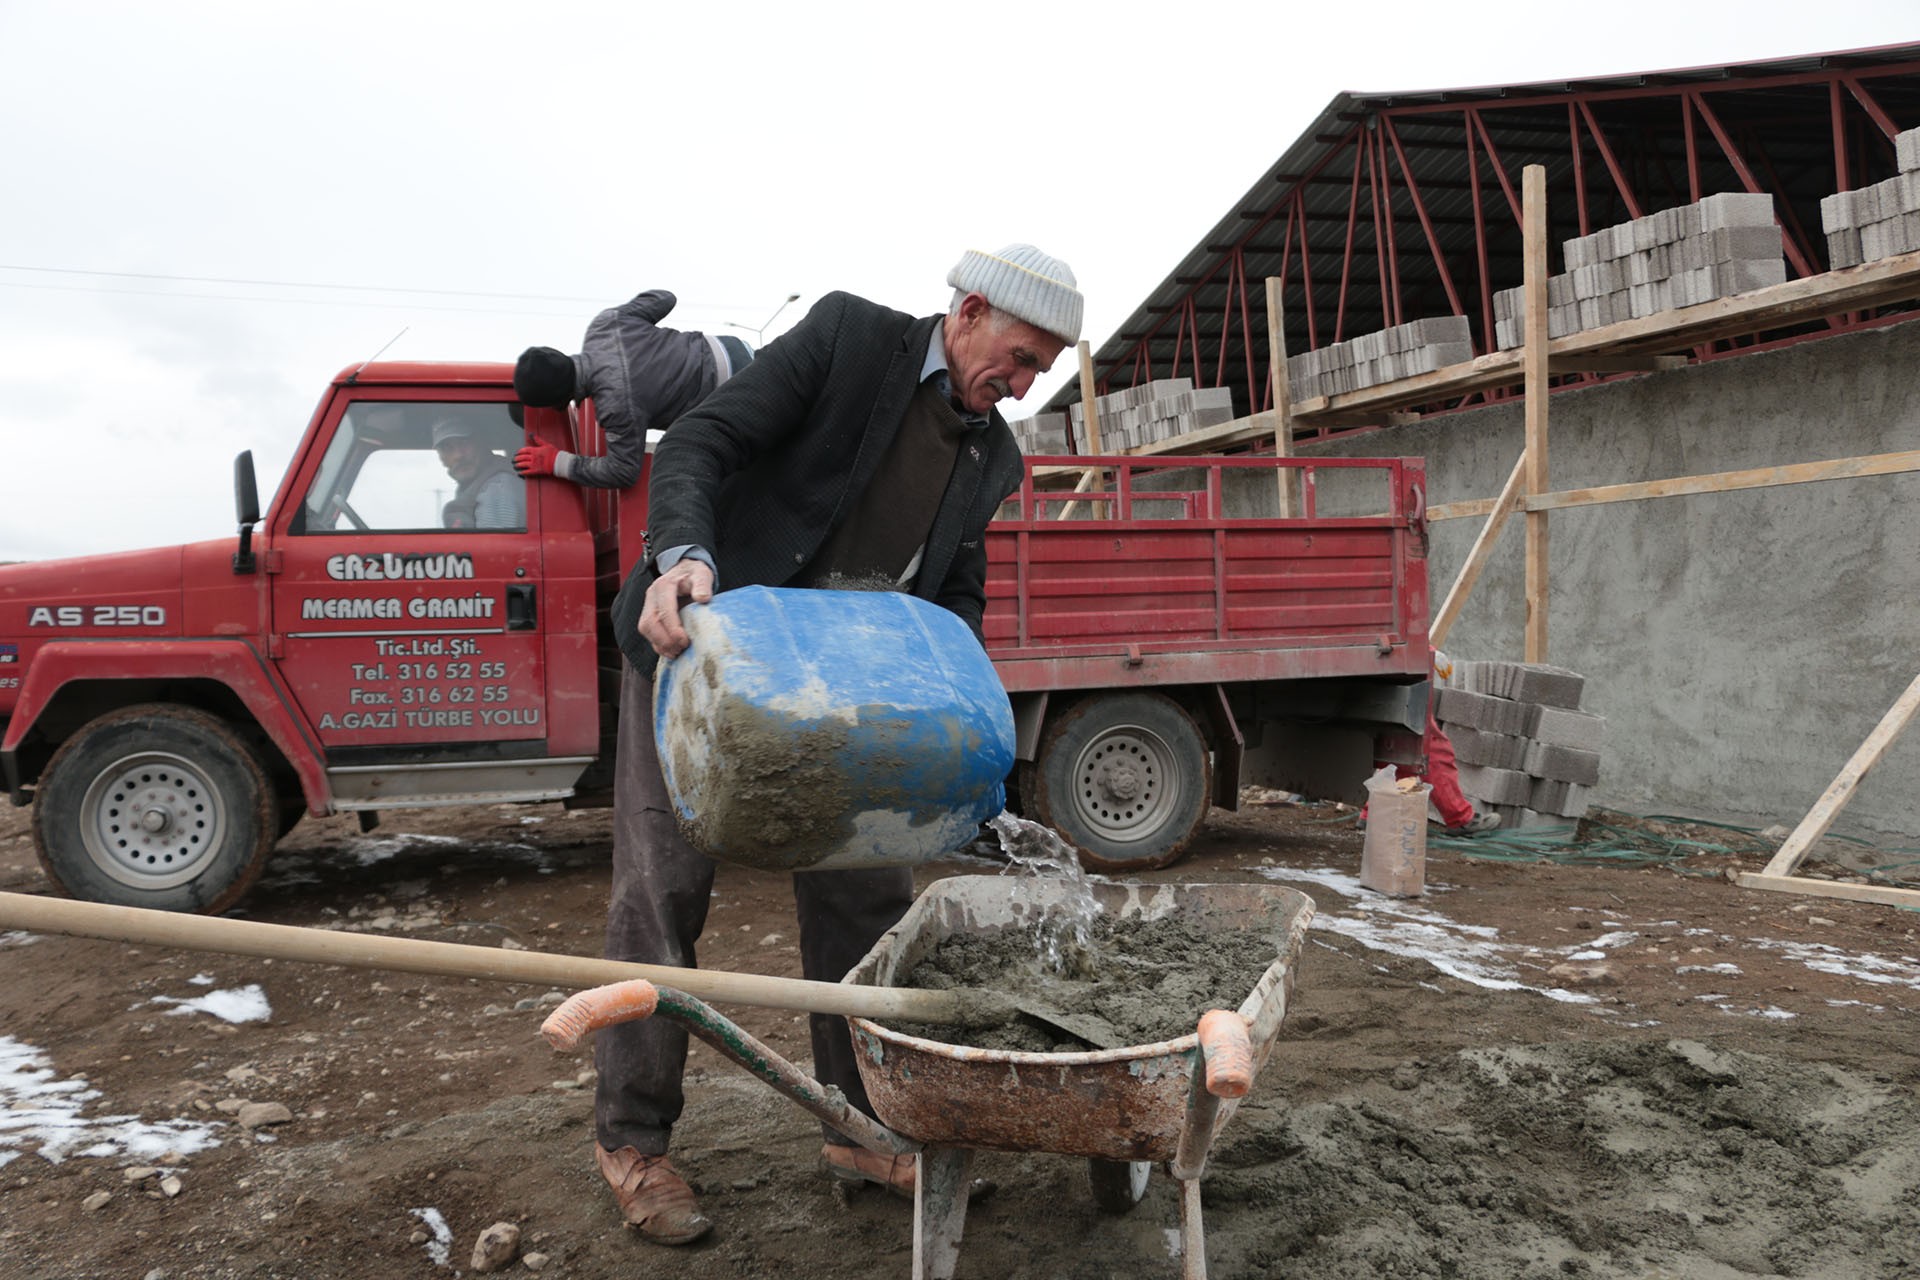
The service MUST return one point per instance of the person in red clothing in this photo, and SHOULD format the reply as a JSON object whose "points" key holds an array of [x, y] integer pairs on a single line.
{"points": [[1457, 814]]}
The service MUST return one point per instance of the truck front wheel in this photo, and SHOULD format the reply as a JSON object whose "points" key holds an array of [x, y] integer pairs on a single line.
{"points": [[1126, 778], [156, 806]]}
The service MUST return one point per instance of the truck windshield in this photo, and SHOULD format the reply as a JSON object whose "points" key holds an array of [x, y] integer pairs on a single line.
{"points": [[418, 466]]}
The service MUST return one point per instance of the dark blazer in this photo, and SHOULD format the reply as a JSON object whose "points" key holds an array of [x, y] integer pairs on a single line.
{"points": [[762, 470]]}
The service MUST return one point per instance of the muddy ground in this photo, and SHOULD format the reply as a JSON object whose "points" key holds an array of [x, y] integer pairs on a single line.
{"points": [[1626, 1070]]}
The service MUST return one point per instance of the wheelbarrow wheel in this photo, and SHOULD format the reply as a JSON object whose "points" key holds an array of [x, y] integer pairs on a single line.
{"points": [[1118, 1185]]}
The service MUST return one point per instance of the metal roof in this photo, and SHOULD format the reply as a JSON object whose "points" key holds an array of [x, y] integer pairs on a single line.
{"points": [[1446, 163]]}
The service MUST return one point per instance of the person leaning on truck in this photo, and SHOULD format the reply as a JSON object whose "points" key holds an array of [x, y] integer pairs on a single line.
{"points": [[864, 442], [487, 495], [639, 376]]}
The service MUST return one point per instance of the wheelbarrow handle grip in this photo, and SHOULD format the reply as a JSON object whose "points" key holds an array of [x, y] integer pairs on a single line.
{"points": [[1229, 1053], [585, 1012]]}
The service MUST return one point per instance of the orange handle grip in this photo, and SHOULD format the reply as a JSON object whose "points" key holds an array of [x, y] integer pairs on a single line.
{"points": [[1229, 1050], [585, 1012]]}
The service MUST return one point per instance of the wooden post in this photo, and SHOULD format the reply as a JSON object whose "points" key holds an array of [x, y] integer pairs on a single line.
{"points": [[1087, 397], [1469, 574], [1092, 412], [1282, 393], [1534, 365], [1828, 807]]}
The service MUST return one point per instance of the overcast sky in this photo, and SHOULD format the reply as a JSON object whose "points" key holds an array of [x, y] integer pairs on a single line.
{"points": [[211, 209]]}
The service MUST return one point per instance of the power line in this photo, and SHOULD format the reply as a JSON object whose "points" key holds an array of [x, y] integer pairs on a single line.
{"points": [[302, 284], [306, 302]]}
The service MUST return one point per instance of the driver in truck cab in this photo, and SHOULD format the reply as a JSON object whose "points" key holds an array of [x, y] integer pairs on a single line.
{"points": [[489, 495]]}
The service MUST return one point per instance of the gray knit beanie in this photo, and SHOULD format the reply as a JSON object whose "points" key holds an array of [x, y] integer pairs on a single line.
{"points": [[1026, 284]]}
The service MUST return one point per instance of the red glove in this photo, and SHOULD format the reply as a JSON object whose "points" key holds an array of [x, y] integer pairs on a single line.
{"points": [[535, 460]]}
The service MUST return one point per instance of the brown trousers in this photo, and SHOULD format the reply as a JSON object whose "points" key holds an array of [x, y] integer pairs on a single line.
{"points": [[661, 889]]}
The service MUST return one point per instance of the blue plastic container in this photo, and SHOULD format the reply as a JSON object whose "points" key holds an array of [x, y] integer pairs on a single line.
{"points": [[822, 730]]}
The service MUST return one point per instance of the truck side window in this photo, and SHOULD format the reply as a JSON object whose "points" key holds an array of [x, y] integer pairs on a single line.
{"points": [[416, 467]]}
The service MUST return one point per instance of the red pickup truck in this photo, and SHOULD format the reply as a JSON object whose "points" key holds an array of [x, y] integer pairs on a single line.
{"points": [[172, 713]]}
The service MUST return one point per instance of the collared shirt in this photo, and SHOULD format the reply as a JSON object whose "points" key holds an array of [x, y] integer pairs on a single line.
{"points": [[935, 366]]}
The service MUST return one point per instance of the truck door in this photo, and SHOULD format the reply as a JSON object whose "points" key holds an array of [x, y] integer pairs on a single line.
{"points": [[406, 604]]}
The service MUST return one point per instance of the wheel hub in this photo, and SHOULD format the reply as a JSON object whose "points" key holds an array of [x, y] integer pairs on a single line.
{"points": [[1123, 778], [152, 820], [1117, 779]]}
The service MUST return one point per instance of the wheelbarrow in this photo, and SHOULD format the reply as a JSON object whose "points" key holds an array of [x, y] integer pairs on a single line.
{"points": [[1125, 1110]]}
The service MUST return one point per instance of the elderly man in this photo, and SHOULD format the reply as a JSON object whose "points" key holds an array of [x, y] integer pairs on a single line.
{"points": [[863, 443], [487, 494]]}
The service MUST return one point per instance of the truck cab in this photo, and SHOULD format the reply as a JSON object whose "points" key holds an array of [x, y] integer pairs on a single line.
{"points": [[383, 641]]}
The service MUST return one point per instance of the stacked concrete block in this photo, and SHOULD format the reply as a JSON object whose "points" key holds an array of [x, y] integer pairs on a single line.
{"points": [[1526, 750], [1150, 412], [1043, 434], [1421, 346], [1880, 221], [1715, 248]]}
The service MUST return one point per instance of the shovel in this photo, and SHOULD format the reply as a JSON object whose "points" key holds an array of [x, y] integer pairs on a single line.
{"points": [[457, 960]]}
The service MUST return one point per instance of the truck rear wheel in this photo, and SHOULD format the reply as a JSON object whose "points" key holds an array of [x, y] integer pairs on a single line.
{"points": [[1126, 778], [156, 806]]}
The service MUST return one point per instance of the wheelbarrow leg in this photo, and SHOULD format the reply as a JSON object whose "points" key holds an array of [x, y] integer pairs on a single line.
{"points": [[1193, 1236], [940, 1210]]}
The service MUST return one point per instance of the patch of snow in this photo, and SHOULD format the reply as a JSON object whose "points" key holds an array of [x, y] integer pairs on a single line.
{"points": [[1400, 927], [236, 1004], [37, 1106], [15, 938], [440, 1248], [1821, 958]]}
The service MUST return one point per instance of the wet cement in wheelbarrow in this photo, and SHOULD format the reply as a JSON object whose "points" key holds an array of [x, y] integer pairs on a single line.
{"points": [[1150, 980]]}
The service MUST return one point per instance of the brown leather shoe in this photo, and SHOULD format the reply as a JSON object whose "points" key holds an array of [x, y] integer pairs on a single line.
{"points": [[654, 1199], [857, 1165]]}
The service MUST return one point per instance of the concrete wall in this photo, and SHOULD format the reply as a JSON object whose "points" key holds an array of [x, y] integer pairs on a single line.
{"points": [[1741, 645]]}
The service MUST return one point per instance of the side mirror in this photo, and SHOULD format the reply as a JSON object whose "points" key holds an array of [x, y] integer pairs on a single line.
{"points": [[246, 509]]}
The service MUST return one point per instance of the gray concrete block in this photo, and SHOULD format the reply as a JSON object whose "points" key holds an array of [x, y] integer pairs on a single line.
{"points": [[1745, 276], [1892, 197], [1835, 212], [1736, 209], [1496, 786], [1488, 750], [1478, 711], [1561, 727], [1906, 149], [1563, 764], [1843, 249], [1548, 686], [1730, 244], [1561, 799]]}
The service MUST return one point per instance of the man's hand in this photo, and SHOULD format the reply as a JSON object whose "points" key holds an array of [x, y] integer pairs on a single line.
{"points": [[660, 614], [535, 459]]}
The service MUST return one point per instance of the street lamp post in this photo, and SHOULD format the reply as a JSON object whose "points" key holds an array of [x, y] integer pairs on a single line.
{"points": [[735, 324]]}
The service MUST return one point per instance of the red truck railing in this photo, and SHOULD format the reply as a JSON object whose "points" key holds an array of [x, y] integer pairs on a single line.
{"points": [[1155, 580]]}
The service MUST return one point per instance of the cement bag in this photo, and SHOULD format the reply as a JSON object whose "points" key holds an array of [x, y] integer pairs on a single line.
{"points": [[830, 729], [1393, 860]]}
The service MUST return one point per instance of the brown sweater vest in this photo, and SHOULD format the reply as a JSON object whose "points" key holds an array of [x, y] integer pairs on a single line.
{"points": [[887, 525]]}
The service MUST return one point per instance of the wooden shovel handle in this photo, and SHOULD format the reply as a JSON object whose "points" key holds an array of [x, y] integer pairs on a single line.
{"points": [[1229, 1052], [586, 1012], [450, 959]]}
